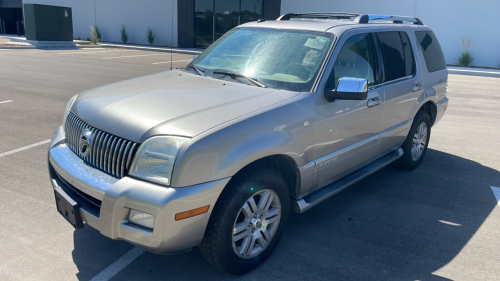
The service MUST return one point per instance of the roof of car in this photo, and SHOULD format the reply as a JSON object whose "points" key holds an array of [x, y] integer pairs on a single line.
{"points": [[300, 24], [334, 21]]}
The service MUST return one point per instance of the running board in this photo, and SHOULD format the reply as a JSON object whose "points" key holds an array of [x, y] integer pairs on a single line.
{"points": [[326, 192]]}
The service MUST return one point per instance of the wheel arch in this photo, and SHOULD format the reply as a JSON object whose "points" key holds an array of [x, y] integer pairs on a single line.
{"points": [[431, 109], [282, 164]]}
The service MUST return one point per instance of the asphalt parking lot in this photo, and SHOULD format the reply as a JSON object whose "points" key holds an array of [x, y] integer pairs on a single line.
{"points": [[438, 222]]}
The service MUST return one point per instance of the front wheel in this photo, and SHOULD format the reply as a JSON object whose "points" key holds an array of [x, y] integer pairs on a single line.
{"points": [[416, 142], [247, 222]]}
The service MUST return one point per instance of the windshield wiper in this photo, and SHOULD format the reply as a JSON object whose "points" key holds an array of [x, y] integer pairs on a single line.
{"points": [[199, 70], [235, 74]]}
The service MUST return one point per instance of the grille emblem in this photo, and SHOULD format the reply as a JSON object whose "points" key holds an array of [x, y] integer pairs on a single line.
{"points": [[85, 142]]}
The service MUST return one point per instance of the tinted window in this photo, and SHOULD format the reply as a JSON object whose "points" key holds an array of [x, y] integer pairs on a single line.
{"points": [[356, 59], [393, 54], [433, 54], [408, 52]]}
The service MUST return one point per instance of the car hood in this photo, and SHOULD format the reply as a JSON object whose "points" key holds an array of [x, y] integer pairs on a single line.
{"points": [[170, 103]]}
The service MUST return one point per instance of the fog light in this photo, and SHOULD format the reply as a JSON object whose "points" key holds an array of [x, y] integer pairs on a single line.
{"points": [[142, 219]]}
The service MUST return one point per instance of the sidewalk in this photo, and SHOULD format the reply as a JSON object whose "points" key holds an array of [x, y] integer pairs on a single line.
{"points": [[20, 42], [473, 71], [193, 51], [14, 41]]}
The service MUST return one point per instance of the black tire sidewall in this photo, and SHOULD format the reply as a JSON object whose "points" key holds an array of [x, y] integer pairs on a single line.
{"points": [[227, 258]]}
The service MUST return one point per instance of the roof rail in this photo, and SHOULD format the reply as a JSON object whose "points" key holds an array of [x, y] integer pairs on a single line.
{"points": [[318, 15], [394, 19], [358, 18]]}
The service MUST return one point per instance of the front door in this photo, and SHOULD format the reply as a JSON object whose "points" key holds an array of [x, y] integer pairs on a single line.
{"points": [[347, 130]]}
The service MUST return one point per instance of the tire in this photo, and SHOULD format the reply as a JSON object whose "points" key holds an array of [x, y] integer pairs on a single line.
{"points": [[231, 211], [409, 161]]}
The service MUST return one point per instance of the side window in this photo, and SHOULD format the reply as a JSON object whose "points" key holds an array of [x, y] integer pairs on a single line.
{"points": [[356, 59], [408, 52], [393, 54], [433, 54]]}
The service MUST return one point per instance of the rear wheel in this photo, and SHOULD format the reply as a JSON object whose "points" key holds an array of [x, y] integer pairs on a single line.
{"points": [[247, 222], [416, 142]]}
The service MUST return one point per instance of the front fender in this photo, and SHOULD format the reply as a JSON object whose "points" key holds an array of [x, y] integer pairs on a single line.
{"points": [[223, 151]]}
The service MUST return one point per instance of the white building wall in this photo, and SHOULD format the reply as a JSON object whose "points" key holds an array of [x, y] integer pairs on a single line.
{"points": [[451, 21], [110, 14]]}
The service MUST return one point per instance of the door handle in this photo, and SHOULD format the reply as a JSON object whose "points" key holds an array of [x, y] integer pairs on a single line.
{"points": [[373, 102], [417, 87]]}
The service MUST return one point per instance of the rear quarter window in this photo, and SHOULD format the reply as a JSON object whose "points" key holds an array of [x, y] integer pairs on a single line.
{"points": [[433, 55]]}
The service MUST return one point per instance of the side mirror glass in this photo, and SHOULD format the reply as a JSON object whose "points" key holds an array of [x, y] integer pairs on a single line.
{"points": [[348, 89]]}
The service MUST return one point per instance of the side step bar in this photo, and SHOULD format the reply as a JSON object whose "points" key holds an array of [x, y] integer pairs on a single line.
{"points": [[326, 192]]}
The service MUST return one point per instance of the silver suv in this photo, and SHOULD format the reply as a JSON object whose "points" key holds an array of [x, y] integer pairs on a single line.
{"points": [[275, 116]]}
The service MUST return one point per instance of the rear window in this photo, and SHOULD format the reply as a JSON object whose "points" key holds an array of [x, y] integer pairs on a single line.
{"points": [[398, 56], [433, 54]]}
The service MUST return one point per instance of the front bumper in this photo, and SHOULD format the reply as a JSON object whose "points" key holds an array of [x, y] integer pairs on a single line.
{"points": [[117, 196]]}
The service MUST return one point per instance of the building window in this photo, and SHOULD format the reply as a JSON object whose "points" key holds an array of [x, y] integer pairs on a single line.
{"points": [[203, 22], [251, 10], [213, 18]]}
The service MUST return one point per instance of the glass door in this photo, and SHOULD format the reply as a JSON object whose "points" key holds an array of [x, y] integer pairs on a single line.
{"points": [[203, 23], [224, 23], [250, 10], [227, 15], [213, 18]]}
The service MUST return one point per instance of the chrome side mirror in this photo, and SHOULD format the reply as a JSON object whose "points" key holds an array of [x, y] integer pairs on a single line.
{"points": [[348, 89]]}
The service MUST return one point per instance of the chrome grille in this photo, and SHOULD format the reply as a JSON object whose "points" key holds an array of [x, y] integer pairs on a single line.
{"points": [[108, 153]]}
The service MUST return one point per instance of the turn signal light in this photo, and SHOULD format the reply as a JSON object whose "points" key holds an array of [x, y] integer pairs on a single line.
{"points": [[191, 213]]}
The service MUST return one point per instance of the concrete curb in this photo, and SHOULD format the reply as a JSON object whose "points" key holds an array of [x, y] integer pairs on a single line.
{"points": [[24, 47], [474, 72], [101, 45], [154, 49]]}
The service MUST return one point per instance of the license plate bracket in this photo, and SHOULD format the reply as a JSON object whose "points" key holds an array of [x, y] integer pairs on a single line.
{"points": [[68, 208]]}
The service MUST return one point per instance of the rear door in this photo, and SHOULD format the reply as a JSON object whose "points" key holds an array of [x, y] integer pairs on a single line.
{"points": [[402, 85]]}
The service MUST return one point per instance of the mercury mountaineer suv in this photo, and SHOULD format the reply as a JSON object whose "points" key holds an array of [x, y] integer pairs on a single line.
{"points": [[275, 116]]}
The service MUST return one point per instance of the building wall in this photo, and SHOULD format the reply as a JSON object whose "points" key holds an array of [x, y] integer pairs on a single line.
{"points": [[451, 20], [110, 14]]}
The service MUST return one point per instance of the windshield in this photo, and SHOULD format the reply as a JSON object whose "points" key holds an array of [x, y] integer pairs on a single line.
{"points": [[280, 59]]}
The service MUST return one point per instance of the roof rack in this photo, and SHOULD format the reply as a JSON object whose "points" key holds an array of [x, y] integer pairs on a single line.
{"points": [[357, 18]]}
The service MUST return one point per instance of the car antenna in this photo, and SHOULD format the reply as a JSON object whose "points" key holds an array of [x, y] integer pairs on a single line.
{"points": [[172, 35]]}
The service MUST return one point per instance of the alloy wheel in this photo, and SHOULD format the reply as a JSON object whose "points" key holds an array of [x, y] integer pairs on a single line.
{"points": [[419, 141], [256, 224]]}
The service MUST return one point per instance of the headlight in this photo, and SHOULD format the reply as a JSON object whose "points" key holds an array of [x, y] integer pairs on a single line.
{"points": [[68, 108], [155, 159]]}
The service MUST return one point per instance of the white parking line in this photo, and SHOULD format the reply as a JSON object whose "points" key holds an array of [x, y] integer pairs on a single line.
{"points": [[169, 62], [496, 192], [449, 223], [23, 148], [6, 101], [135, 56], [93, 52], [118, 265]]}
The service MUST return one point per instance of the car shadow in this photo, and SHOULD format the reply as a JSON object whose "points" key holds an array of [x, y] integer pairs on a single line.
{"points": [[392, 225]]}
